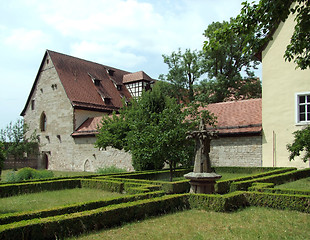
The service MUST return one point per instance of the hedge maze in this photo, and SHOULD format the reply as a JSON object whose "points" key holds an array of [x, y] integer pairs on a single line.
{"points": [[146, 195]]}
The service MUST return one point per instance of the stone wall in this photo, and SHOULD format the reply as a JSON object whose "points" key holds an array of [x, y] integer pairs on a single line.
{"points": [[245, 151]]}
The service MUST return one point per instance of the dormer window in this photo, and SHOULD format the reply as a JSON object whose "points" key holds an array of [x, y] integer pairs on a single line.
{"points": [[111, 72], [107, 100], [119, 87], [96, 82]]}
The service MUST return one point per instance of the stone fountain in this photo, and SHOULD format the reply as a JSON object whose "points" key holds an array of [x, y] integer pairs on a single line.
{"points": [[203, 179]]}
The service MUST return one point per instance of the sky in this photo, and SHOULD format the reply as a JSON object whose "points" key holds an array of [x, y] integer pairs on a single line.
{"points": [[130, 35]]}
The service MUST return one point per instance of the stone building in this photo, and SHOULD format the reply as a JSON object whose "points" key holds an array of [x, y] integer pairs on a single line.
{"points": [[66, 94], [239, 126], [70, 95]]}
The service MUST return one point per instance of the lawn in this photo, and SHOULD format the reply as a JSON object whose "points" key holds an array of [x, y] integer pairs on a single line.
{"points": [[46, 200], [250, 223], [302, 184]]}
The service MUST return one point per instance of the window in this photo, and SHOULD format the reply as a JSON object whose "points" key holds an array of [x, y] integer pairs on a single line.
{"points": [[43, 122], [303, 107], [32, 104]]}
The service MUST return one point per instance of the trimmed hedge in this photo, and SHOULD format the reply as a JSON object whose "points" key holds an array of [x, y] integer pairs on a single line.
{"points": [[82, 222], [268, 188], [8, 190], [224, 186], [250, 170], [218, 203], [78, 207], [108, 185], [153, 175], [279, 201], [169, 187], [277, 179]]}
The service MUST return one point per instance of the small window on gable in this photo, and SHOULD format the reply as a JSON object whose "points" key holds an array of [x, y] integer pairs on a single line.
{"points": [[303, 108], [43, 122], [107, 100], [32, 104], [97, 82], [111, 72]]}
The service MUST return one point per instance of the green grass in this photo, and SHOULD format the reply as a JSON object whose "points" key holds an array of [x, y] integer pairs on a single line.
{"points": [[250, 223], [226, 175], [302, 184], [46, 200]]}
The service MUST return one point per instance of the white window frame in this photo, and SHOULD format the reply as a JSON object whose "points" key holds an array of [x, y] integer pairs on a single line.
{"points": [[297, 104]]}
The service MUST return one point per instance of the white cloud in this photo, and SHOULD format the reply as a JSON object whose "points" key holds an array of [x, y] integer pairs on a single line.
{"points": [[106, 54], [25, 39]]}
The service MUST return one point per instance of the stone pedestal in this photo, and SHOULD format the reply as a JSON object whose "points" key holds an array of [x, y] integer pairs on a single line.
{"points": [[202, 182]]}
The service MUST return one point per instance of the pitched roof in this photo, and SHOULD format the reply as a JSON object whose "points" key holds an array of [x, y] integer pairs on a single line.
{"points": [[88, 128], [238, 117], [233, 118], [133, 77], [78, 77]]}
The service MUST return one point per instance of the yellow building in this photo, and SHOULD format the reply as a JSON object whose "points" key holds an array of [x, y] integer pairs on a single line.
{"points": [[285, 99]]}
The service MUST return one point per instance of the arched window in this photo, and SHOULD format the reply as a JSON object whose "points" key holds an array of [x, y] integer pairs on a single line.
{"points": [[43, 122]]}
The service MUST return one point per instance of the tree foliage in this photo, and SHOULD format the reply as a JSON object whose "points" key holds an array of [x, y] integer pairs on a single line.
{"points": [[14, 141], [153, 128], [2, 157], [259, 20], [301, 144], [223, 61], [184, 70]]}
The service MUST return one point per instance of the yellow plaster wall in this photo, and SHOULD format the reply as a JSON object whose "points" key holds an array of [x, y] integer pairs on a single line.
{"points": [[281, 81]]}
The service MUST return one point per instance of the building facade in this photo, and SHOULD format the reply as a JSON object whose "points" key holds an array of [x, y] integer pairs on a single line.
{"points": [[70, 95], [285, 99], [67, 92]]}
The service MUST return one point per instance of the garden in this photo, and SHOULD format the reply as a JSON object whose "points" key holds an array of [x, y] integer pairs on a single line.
{"points": [[249, 202]]}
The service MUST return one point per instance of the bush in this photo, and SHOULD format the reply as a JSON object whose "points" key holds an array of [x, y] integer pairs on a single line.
{"points": [[111, 169], [279, 201], [276, 179], [58, 227], [7, 190], [28, 173], [218, 203]]}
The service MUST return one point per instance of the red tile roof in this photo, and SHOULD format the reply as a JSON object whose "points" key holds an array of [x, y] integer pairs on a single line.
{"points": [[88, 128], [77, 77], [238, 117], [133, 77], [233, 118]]}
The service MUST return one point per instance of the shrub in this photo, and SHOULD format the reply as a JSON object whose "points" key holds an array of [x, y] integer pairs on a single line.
{"points": [[111, 169], [279, 201], [28, 173]]}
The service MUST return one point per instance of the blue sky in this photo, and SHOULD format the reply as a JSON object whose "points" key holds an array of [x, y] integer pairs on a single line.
{"points": [[128, 34]]}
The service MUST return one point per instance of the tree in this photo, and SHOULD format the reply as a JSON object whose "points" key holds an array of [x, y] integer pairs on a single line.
{"points": [[184, 70], [300, 144], [153, 128], [2, 157], [259, 21], [223, 61], [14, 140]]}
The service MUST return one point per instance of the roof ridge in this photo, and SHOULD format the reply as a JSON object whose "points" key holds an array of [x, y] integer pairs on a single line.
{"points": [[237, 101], [106, 66]]}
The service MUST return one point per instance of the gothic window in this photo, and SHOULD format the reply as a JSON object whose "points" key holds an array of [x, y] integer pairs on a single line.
{"points": [[43, 122]]}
